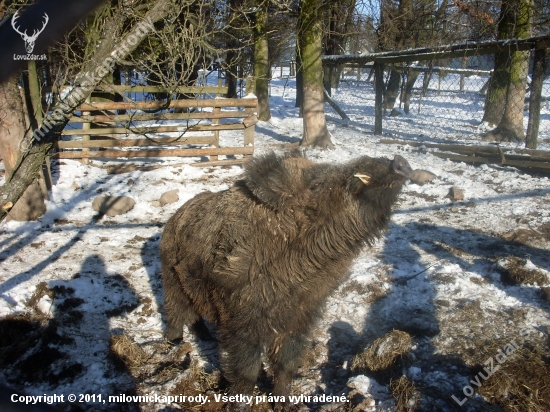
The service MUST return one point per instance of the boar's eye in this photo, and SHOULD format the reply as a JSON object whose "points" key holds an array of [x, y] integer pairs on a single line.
{"points": [[315, 185]]}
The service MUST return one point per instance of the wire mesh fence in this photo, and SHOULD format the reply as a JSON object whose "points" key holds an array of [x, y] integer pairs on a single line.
{"points": [[445, 98]]}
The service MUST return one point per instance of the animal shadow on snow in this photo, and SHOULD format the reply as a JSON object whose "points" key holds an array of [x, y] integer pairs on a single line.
{"points": [[413, 303], [72, 348]]}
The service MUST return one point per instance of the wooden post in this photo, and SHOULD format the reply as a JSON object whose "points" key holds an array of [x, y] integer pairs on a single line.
{"points": [[463, 66], [539, 68], [216, 133], [327, 80], [86, 126], [379, 98], [249, 132]]}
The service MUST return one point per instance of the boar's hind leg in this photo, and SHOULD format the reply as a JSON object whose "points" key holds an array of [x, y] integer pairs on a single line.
{"points": [[286, 359], [177, 306]]}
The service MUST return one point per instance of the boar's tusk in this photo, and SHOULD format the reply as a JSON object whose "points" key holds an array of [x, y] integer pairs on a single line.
{"points": [[364, 178]]}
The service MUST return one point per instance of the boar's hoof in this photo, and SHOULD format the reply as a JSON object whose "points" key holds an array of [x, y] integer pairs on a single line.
{"points": [[173, 334]]}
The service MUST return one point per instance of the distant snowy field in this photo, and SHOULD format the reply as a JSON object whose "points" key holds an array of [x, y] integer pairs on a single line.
{"points": [[437, 270]]}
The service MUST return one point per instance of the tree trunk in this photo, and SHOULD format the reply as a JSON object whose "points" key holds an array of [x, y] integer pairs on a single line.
{"points": [[231, 74], [392, 90], [13, 128], [261, 62], [91, 74], [426, 80], [495, 103], [299, 82], [496, 93], [310, 34], [411, 80], [510, 129], [539, 68]]}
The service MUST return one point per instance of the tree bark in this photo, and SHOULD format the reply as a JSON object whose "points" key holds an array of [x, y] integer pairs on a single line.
{"points": [[310, 34], [510, 129], [379, 97], [261, 62], [299, 82], [92, 72], [539, 68], [496, 93], [392, 90], [412, 75], [495, 102], [13, 127]]}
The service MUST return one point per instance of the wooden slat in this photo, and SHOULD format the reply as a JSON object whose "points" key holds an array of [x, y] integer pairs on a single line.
{"points": [[445, 51], [247, 102], [494, 160], [233, 114], [155, 153], [159, 129], [148, 89], [470, 148], [221, 162], [80, 144]]}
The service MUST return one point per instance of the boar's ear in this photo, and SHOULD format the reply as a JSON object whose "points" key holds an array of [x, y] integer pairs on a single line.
{"points": [[274, 179]]}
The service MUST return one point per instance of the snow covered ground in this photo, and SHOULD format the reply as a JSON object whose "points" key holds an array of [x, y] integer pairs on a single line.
{"points": [[439, 275]]}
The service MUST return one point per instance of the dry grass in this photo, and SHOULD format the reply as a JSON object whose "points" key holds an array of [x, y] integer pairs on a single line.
{"points": [[383, 352], [126, 354], [514, 272], [522, 383], [196, 381], [370, 293], [312, 356], [41, 291], [406, 394]]}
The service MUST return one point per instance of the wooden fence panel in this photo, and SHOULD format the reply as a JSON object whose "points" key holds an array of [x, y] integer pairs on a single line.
{"points": [[239, 114]]}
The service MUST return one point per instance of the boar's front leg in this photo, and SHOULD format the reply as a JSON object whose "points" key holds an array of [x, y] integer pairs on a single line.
{"points": [[241, 363], [285, 358]]}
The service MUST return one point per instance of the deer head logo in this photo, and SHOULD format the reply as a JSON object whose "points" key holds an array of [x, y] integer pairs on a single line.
{"points": [[29, 40]]}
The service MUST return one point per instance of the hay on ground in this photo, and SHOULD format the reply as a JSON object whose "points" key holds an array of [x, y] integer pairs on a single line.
{"points": [[516, 271], [127, 353], [522, 383], [406, 394], [383, 352]]}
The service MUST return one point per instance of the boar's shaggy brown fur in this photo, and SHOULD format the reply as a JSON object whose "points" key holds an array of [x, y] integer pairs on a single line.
{"points": [[261, 258]]}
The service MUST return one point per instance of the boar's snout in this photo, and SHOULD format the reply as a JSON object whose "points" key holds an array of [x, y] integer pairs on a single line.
{"points": [[400, 165]]}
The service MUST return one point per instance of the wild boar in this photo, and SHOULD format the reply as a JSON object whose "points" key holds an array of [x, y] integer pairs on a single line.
{"points": [[261, 258]]}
